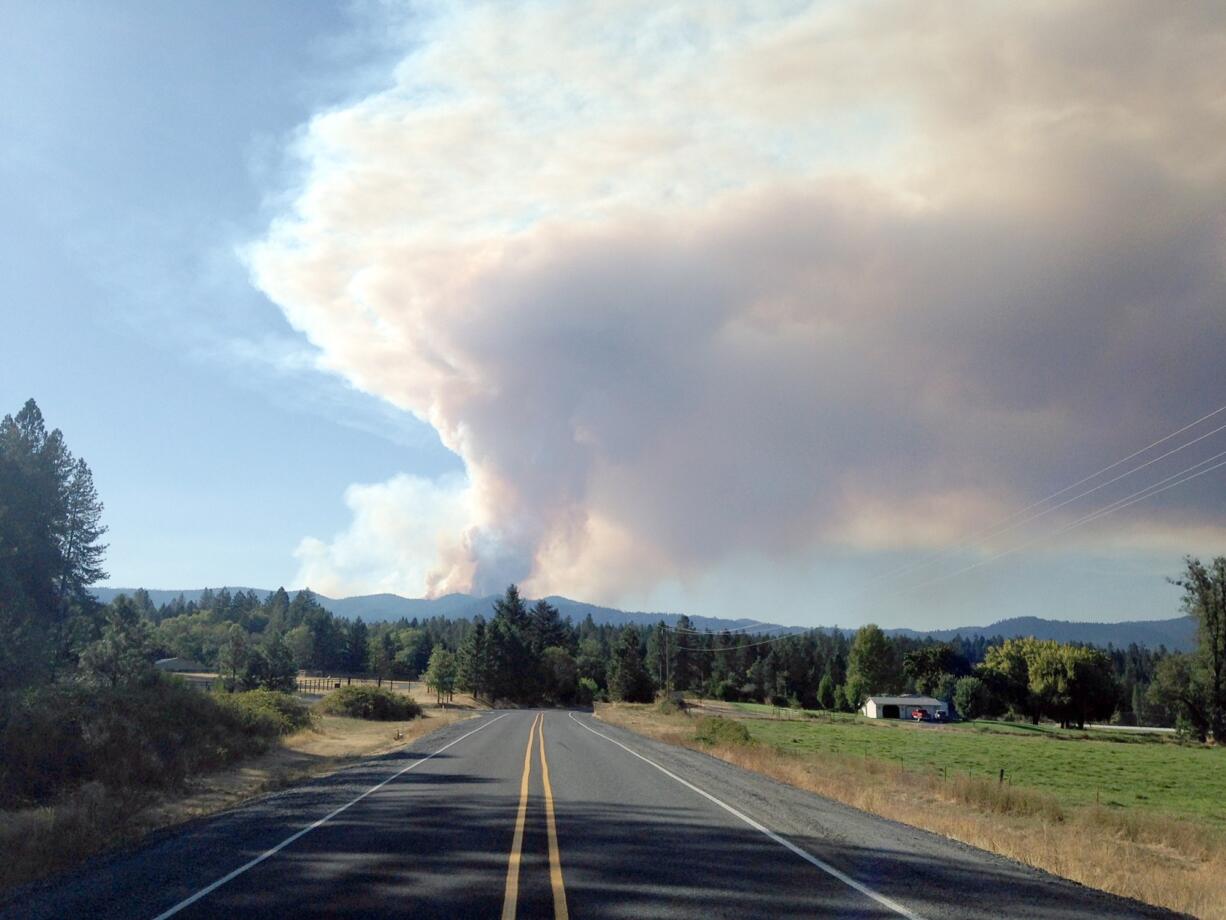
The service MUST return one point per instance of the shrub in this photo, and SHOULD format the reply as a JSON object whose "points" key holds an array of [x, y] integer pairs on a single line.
{"points": [[274, 712], [373, 703], [718, 730], [60, 737], [588, 691], [671, 705]]}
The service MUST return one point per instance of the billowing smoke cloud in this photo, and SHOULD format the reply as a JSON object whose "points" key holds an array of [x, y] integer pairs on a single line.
{"points": [[681, 284]]}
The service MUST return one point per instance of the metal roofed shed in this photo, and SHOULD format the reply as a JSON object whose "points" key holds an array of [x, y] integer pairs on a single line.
{"points": [[908, 707], [179, 665]]}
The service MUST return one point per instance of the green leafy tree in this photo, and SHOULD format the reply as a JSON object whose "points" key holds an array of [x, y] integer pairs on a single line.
{"points": [[592, 663], [301, 642], [855, 692], [1006, 670], [930, 668], [1180, 686], [441, 673], [1205, 600], [825, 693], [972, 698], [233, 655], [382, 656], [872, 665], [1038, 678]]}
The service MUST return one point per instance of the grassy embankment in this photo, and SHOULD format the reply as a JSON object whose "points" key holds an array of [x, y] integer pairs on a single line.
{"points": [[1138, 815], [139, 762]]}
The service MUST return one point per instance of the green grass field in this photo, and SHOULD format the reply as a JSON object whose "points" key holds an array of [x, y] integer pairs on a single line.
{"points": [[1118, 769]]}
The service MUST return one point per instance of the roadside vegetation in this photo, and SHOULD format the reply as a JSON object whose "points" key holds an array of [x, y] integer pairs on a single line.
{"points": [[372, 703], [1140, 816], [715, 730], [91, 733], [95, 742]]}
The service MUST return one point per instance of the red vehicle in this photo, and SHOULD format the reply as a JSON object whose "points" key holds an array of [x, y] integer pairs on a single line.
{"points": [[921, 715]]}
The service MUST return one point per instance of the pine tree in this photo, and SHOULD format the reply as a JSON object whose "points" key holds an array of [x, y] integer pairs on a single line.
{"points": [[825, 692], [546, 629], [50, 525], [123, 655], [684, 676], [357, 638], [628, 679], [513, 670], [278, 610], [282, 674], [472, 663]]}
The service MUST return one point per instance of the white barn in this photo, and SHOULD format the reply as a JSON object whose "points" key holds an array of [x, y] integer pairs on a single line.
{"points": [[904, 707], [178, 665]]}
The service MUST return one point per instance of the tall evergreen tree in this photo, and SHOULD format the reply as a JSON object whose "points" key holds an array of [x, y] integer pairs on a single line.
{"points": [[472, 664], [50, 527], [357, 638], [683, 666], [123, 654], [513, 670], [545, 628], [628, 679]]}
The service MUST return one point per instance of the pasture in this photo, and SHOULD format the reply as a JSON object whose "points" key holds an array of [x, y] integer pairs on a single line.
{"points": [[1114, 769]]}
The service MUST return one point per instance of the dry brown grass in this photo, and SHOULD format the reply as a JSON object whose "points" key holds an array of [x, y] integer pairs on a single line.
{"points": [[39, 841], [1167, 862]]}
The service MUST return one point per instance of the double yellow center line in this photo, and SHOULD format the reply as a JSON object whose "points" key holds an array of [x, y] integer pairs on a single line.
{"points": [[511, 896]]}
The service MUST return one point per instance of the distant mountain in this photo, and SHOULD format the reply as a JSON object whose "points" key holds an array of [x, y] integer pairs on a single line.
{"points": [[378, 608], [1177, 634]]}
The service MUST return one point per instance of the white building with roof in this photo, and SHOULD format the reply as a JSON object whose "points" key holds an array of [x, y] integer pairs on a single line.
{"points": [[179, 665], [904, 707]]}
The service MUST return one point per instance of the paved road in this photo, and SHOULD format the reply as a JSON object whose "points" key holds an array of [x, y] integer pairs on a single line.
{"points": [[467, 823]]}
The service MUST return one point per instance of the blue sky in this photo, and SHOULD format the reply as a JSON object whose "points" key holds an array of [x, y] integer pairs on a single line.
{"points": [[772, 311], [141, 141]]}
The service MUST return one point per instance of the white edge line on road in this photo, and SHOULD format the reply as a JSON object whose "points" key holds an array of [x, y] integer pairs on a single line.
{"points": [[186, 902], [803, 854]]}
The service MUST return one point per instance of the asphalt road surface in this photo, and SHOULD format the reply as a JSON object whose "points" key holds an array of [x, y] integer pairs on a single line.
{"points": [[553, 815]]}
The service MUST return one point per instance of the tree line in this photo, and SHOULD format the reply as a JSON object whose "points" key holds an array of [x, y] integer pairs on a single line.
{"points": [[50, 552]]}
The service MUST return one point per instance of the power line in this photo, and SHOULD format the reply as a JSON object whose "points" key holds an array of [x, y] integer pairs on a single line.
{"points": [[1118, 505], [1007, 524], [1162, 485]]}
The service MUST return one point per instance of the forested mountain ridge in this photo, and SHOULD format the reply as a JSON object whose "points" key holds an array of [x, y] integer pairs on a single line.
{"points": [[383, 608], [1177, 634]]}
